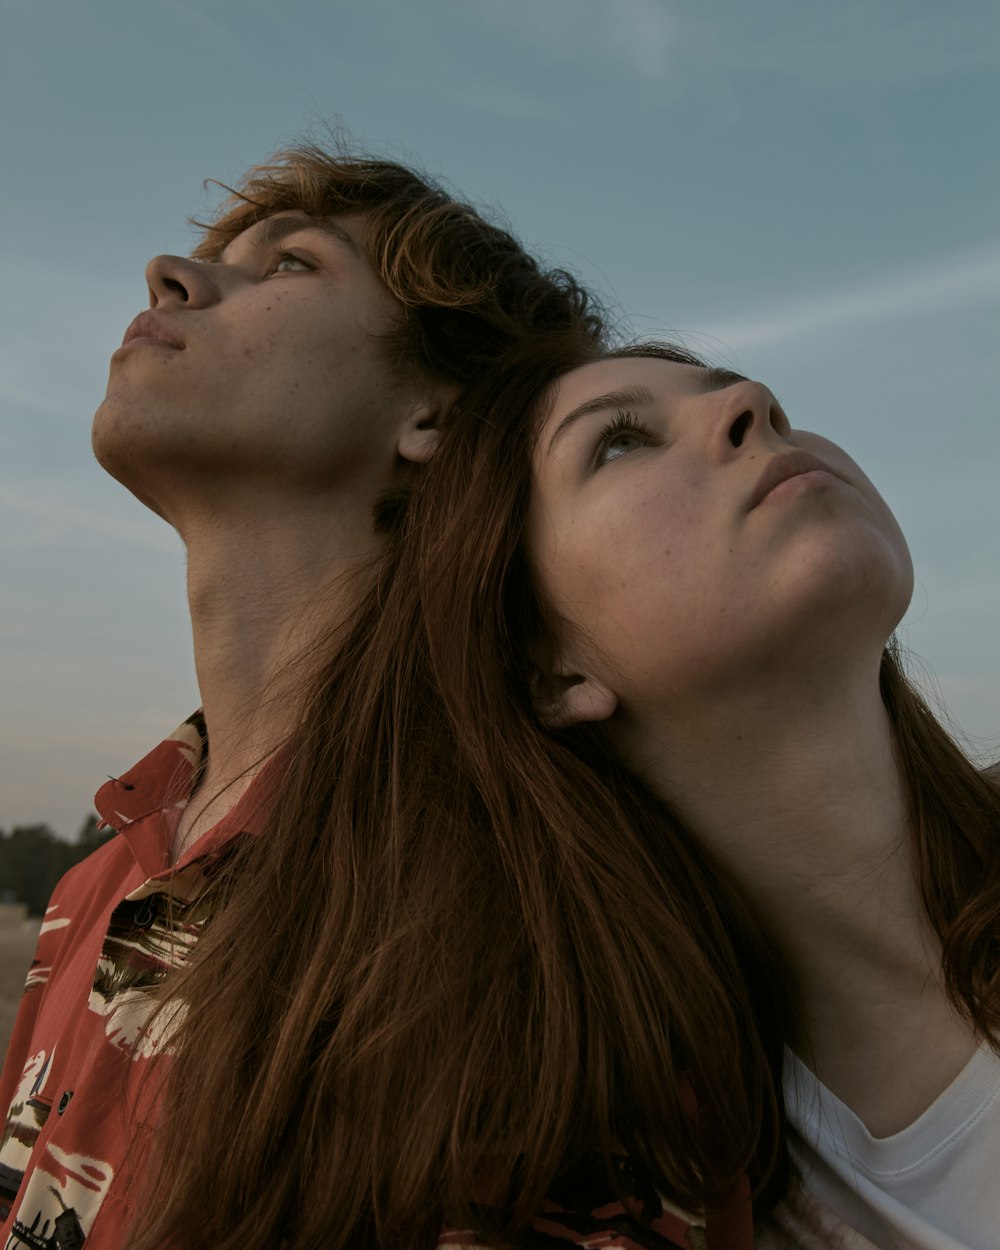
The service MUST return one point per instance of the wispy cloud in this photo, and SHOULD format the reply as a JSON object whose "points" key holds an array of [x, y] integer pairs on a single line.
{"points": [[227, 35], [640, 33], [683, 45], [39, 517], [969, 277], [53, 357], [850, 44]]}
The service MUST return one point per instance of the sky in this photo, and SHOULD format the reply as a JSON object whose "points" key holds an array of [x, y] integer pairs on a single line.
{"points": [[805, 191]]}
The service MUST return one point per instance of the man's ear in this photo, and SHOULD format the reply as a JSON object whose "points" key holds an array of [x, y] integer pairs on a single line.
{"points": [[420, 433], [563, 700]]}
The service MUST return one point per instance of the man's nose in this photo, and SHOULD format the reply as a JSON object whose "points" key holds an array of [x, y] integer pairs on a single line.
{"points": [[180, 280]]}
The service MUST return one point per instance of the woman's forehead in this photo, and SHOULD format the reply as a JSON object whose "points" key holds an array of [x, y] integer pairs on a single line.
{"points": [[620, 373]]}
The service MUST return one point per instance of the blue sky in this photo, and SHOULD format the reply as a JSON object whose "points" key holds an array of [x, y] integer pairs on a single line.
{"points": [[806, 190]]}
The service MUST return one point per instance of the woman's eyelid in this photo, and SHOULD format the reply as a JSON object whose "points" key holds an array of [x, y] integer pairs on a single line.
{"points": [[625, 422]]}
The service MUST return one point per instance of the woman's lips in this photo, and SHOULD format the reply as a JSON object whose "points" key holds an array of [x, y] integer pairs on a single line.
{"points": [[784, 467]]}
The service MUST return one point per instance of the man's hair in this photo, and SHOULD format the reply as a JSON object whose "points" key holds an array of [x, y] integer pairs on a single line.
{"points": [[468, 288]]}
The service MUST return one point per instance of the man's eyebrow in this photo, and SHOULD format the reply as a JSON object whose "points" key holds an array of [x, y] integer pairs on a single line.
{"points": [[273, 229], [629, 397]]}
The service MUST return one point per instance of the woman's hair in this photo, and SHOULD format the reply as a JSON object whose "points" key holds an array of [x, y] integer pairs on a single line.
{"points": [[470, 954], [468, 288]]}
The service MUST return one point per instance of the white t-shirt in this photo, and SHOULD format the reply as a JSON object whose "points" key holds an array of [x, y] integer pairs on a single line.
{"points": [[933, 1186]]}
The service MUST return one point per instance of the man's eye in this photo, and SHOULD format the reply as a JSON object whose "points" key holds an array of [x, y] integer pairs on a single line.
{"points": [[288, 262], [624, 434]]}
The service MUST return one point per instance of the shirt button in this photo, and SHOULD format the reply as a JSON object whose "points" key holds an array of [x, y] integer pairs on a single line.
{"points": [[64, 1101]]}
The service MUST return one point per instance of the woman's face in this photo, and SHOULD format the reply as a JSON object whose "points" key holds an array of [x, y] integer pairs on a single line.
{"points": [[690, 541]]}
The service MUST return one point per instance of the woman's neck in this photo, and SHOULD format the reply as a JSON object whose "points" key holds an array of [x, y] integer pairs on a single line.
{"points": [[801, 801]]}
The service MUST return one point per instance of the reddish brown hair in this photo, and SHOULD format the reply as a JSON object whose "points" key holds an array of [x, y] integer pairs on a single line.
{"points": [[469, 952], [468, 288]]}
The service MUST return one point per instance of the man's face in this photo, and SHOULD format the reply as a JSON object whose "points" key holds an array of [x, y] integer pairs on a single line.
{"points": [[262, 369]]}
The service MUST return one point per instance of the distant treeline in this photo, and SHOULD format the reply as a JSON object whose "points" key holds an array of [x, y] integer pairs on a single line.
{"points": [[33, 858]]}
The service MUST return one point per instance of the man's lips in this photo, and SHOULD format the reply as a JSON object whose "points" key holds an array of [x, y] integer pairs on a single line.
{"points": [[149, 327], [780, 468]]}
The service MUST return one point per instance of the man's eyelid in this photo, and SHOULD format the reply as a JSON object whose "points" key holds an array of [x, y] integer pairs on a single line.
{"points": [[326, 245], [270, 251], [287, 253]]}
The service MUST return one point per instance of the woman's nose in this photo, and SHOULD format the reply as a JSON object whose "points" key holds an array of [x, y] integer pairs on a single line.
{"points": [[179, 280], [748, 410]]}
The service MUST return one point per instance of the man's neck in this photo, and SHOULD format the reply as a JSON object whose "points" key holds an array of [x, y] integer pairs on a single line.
{"points": [[265, 596], [803, 804]]}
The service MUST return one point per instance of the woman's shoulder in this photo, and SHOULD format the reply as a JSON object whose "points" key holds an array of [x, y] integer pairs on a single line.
{"points": [[802, 1222]]}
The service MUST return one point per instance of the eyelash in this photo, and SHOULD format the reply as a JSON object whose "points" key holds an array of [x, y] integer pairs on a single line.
{"points": [[623, 421], [283, 255]]}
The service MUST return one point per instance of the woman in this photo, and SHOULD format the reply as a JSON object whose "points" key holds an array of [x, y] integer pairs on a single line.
{"points": [[687, 581], [616, 791]]}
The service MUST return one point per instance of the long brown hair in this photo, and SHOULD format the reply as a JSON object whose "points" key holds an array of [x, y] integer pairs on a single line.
{"points": [[468, 952]]}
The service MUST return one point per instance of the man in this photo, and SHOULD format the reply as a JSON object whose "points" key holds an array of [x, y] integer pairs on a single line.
{"points": [[272, 405]]}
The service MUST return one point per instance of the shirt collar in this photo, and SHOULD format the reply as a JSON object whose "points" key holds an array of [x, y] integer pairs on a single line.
{"points": [[163, 778], [144, 804]]}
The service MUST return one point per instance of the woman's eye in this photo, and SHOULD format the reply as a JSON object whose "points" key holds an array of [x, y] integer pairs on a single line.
{"points": [[624, 434]]}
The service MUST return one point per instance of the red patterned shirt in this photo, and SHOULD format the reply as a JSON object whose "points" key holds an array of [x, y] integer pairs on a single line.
{"points": [[85, 1032]]}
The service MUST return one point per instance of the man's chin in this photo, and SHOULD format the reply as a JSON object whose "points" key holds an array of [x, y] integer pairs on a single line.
{"points": [[118, 456]]}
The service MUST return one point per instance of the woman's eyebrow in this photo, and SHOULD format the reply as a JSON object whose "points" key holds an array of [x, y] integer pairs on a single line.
{"points": [[709, 379], [629, 397], [713, 379]]}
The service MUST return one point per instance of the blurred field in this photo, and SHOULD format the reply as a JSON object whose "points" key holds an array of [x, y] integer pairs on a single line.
{"points": [[17, 945]]}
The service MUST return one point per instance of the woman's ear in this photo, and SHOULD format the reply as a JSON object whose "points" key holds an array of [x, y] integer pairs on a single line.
{"points": [[571, 699]]}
